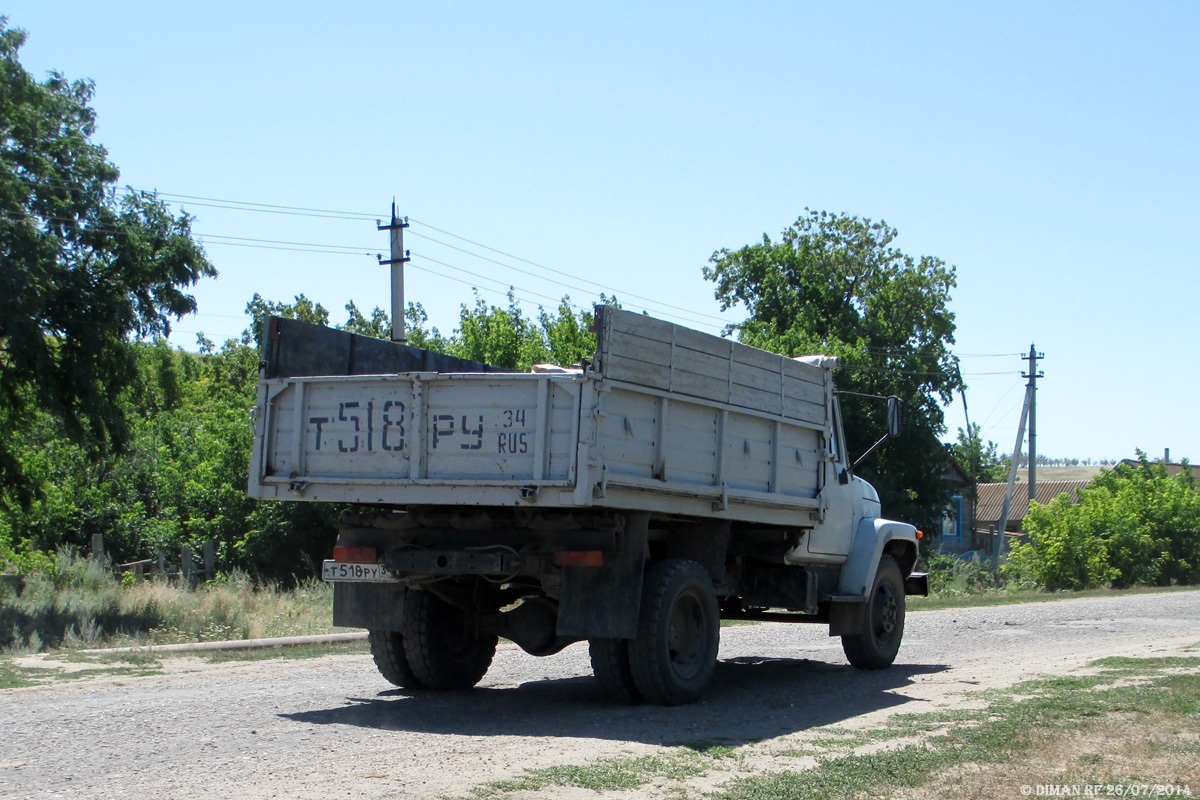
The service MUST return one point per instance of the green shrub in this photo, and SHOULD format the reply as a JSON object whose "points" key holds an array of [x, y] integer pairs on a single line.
{"points": [[951, 576], [1132, 526]]}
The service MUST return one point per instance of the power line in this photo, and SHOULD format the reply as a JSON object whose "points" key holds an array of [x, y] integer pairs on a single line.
{"points": [[549, 269], [243, 205], [239, 205], [364, 214]]}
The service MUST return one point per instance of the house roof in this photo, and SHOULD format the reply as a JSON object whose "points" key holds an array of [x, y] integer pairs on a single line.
{"points": [[1172, 469], [991, 499], [1062, 473]]}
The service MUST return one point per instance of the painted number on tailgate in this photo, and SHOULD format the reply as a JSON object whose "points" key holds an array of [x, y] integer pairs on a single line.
{"points": [[374, 428], [469, 431]]}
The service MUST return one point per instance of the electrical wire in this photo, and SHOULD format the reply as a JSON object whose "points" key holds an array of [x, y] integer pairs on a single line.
{"points": [[243, 205], [178, 199]]}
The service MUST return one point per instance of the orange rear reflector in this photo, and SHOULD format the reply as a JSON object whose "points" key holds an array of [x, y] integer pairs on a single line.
{"points": [[579, 558], [357, 555]]}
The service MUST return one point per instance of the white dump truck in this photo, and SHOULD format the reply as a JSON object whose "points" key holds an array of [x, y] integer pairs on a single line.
{"points": [[675, 480]]}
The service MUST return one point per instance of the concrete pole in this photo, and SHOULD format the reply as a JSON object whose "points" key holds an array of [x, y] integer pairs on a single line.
{"points": [[398, 256], [1033, 375], [1012, 478]]}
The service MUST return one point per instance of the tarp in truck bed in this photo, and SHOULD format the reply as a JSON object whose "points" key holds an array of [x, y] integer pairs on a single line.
{"points": [[294, 349]]}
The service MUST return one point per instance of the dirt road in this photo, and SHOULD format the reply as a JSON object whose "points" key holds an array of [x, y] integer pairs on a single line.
{"points": [[332, 728]]}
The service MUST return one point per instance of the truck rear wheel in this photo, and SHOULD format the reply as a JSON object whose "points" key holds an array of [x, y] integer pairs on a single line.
{"points": [[883, 621], [610, 665], [679, 628], [441, 649], [387, 648]]}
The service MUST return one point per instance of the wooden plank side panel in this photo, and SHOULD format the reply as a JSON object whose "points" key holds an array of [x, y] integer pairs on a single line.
{"points": [[804, 411], [746, 461], [798, 370], [753, 357], [800, 458], [564, 422], [640, 326], [758, 399], [659, 355], [625, 432], [651, 351], [755, 377], [804, 390], [702, 386], [691, 444], [705, 343], [712, 366], [797, 482], [642, 373], [279, 436]]}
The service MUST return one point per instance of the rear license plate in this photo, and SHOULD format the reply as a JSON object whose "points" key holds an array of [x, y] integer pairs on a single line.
{"points": [[344, 571]]}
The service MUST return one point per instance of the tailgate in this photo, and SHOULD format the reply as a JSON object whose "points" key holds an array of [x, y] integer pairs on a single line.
{"points": [[518, 429]]}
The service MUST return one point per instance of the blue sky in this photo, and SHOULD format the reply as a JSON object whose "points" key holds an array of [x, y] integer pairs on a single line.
{"points": [[1049, 150]]}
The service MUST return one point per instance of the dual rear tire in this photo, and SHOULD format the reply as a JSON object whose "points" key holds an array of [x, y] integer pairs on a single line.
{"points": [[672, 659], [437, 648]]}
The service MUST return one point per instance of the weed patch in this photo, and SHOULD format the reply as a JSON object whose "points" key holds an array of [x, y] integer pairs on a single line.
{"points": [[1063, 730], [81, 605]]}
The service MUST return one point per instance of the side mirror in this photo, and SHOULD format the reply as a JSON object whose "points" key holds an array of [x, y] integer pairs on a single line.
{"points": [[894, 407]]}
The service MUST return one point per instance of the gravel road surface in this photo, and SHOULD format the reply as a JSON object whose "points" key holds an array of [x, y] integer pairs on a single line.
{"points": [[332, 728]]}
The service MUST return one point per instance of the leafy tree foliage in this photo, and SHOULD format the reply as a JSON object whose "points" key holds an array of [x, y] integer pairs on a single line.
{"points": [[506, 337], [1132, 525], [81, 271], [834, 284]]}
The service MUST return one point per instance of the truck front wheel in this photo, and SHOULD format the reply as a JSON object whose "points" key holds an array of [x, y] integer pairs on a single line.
{"points": [[441, 648], [387, 648], [679, 629], [883, 621]]}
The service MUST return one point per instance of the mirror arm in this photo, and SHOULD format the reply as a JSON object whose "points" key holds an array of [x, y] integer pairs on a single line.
{"points": [[870, 450]]}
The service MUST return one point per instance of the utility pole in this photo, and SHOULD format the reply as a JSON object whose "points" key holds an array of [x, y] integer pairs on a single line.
{"points": [[1033, 375], [398, 258]]}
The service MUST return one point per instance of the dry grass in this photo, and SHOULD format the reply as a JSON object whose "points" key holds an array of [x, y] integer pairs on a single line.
{"points": [[1119, 750], [80, 604]]}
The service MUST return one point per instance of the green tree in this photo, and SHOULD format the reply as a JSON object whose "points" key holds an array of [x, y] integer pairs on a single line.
{"points": [[82, 272], [834, 284], [979, 462], [504, 337]]}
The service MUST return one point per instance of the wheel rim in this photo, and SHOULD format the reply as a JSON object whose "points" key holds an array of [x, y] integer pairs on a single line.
{"points": [[885, 613], [460, 644], [687, 637]]}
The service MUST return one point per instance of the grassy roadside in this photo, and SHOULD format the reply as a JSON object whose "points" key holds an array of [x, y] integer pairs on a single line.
{"points": [[1121, 723], [1001, 597], [81, 605]]}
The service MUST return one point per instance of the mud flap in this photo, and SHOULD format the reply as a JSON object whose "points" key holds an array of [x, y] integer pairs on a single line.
{"points": [[377, 606], [846, 615], [603, 602]]}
